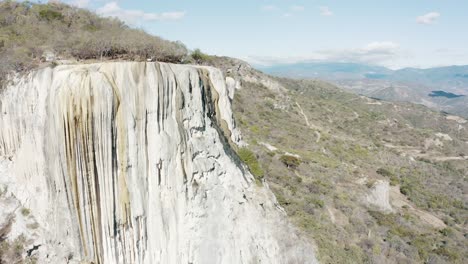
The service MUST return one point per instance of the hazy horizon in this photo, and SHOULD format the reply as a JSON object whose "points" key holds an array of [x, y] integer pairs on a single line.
{"points": [[266, 65]]}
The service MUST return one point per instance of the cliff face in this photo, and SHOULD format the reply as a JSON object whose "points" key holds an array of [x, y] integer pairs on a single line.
{"points": [[132, 163]]}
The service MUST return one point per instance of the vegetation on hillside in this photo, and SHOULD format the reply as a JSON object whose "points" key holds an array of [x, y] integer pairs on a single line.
{"points": [[199, 57], [29, 30], [346, 143], [249, 158]]}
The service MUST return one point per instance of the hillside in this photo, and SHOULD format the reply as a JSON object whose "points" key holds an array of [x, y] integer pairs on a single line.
{"points": [[33, 35], [370, 181]]}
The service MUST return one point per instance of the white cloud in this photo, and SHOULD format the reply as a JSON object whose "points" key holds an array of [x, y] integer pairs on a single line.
{"points": [[292, 9], [429, 18], [109, 8], [269, 8], [382, 47], [112, 9], [372, 53], [81, 3], [297, 8], [325, 11], [375, 53]]}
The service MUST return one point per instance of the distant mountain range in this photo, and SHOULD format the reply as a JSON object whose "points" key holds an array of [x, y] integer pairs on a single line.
{"points": [[441, 88], [328, 70]]}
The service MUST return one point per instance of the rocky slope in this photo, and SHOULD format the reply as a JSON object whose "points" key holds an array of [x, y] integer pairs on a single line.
{"points": [[370, 181], [131, 162]]}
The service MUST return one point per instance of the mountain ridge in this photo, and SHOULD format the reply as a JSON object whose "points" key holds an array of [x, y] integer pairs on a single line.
{"points": [[372, 80]]}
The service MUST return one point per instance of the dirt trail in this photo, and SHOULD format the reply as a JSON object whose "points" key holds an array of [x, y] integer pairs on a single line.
{"points": [[306, 119], [417, 153], [303, 114], [399, 200]]}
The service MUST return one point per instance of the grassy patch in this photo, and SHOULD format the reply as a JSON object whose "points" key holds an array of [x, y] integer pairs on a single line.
{"points": [[250, 159]]}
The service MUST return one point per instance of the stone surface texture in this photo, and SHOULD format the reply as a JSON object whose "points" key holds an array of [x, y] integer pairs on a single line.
{"points": [[132, 162], [379, 196]]}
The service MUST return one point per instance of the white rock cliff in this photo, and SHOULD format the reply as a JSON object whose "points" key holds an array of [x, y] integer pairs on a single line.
{"points": [[129, 162]]}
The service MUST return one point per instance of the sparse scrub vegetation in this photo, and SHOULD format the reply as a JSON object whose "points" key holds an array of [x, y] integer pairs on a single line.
{"points": [[25, 211], [199, 56], [12, 252], [327, 202], [3, 190], [394, 180], [370, 183], [250, 159], [33, 226], [384, 172], [290, 161], [27, 30]]}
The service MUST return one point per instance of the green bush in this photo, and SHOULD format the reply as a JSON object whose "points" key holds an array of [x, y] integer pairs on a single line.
{"points": [[281, 199], [25, 211], [370, 183], [290, 161], [447, 231], [249, 158], [394, 180], [50, 15], [384, 172], [199, 56]]}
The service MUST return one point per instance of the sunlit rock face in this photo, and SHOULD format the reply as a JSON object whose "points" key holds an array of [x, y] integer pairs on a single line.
{"points": [[379, 196], [132, 163]]}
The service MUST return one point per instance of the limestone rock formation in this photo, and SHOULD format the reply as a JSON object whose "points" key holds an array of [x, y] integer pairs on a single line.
{"points": [[379, 196], [132, 163]]}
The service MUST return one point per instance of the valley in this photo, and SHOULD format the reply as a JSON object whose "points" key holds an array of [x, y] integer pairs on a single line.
{"points": [[442, 89]]}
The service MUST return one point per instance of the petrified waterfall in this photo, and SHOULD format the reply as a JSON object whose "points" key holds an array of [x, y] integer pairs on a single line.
{"points": [[132, 163]]}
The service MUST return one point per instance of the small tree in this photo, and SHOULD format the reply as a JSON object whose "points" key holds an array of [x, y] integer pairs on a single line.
{"points": [[199, 56]]}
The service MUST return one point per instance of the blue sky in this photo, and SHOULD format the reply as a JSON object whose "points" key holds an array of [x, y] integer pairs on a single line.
{"points": [[394, 33]]}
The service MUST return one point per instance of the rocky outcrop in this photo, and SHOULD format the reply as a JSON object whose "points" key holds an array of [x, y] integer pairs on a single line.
{"points": [[132, 163], [379, 196]]}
